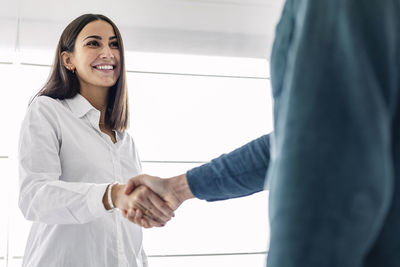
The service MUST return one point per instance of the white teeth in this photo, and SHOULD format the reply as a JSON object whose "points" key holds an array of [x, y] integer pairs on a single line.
{"points": [[104, 67]]}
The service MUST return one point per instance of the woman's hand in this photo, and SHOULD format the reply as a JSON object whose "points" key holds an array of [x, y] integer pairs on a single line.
{"points": [[174, 191], [142, 206]]}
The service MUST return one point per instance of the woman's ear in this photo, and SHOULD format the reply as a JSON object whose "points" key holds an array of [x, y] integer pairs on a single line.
{"points": [[66, 59]]}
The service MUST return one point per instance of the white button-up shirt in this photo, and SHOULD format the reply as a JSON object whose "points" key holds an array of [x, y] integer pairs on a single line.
{"points": [[65, 164]]}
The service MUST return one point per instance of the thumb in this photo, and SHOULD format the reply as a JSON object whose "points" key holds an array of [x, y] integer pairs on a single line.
{"points": [[131, 184]]}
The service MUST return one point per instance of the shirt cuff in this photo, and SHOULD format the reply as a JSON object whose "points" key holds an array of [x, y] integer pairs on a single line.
{"points": [[201, 182], [95, 200]]}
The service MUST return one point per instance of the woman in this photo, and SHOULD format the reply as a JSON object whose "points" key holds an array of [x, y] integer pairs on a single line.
{"points": [[74, 149]]}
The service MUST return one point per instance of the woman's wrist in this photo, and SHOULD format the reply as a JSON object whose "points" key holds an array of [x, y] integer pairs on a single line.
{"points": [[116, 191], [105, 198]]}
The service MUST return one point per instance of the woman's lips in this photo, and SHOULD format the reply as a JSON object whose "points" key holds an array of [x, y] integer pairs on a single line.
{"points": [[105, 68]]}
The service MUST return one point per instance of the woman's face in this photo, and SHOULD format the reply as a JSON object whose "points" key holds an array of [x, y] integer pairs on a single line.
{"points": [[96, 56]]}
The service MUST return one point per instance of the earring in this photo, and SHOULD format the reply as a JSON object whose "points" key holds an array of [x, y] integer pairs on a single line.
{"points": [[70, 69]]}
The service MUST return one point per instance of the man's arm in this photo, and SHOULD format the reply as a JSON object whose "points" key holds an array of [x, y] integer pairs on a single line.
{"points": [[239, 173], [236, 174]]}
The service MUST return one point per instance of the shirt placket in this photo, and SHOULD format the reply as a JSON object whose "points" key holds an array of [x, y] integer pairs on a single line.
{"points": [[116, 161], [117, 173]]}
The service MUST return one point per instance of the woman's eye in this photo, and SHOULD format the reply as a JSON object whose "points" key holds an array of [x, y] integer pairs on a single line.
{"points": [[114, 45], [92, 43]]}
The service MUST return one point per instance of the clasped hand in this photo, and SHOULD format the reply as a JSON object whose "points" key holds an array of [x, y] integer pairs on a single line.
{"points": [[144, 206]]}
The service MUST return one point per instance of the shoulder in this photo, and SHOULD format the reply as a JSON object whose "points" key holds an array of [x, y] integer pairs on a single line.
{"points": [[43, 102], [46, 106], [41, 123], [43, 109]]}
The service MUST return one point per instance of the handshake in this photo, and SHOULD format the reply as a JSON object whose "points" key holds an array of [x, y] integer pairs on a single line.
{"points": [[150, 201]]}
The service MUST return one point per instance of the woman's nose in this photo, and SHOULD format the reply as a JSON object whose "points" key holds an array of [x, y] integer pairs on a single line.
{"points": [[106, 52]]}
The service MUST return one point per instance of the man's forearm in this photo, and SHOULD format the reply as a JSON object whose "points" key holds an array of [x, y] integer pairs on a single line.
{"points": [[239, 173]]}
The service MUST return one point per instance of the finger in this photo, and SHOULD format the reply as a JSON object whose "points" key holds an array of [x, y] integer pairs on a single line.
{"points": [[144, 220], [151, 219], [144, 223], [155, 214], [131, 215], [130, 185], [146, 213], [152, 205], [136, 216], [124, 213], [161, 207], [151, 222], [152, 213]]}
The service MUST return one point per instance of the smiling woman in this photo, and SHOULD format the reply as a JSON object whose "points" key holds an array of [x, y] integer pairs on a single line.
{"points": [[74, 151], [96, 63], [88, 49]]}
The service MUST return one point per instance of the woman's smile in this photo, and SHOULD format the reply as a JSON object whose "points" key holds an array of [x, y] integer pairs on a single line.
{"points": [[105, 68]]}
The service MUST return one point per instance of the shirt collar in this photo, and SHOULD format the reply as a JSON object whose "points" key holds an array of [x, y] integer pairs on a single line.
{"points": [[79, 105]]}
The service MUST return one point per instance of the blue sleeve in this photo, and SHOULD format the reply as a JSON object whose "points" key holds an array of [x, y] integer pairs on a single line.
{"points": [[240, 173]]}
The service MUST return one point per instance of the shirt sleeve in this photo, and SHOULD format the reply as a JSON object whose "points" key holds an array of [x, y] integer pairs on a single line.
{"points": [[43, 196], [239, 173]]}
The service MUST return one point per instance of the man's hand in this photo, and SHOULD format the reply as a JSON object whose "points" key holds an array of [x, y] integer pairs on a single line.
{"points": [[149, 208], [173, 191]]}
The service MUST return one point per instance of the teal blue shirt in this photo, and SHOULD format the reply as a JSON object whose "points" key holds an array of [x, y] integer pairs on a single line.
{"points": [[334, 173], [239, 173]]}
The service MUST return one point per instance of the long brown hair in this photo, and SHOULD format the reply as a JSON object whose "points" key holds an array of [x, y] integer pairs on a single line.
{"points": [[64, 84]]}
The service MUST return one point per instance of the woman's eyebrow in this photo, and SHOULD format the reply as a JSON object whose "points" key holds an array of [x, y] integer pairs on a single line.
{"points": [[93, 36], [98, 37]]}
